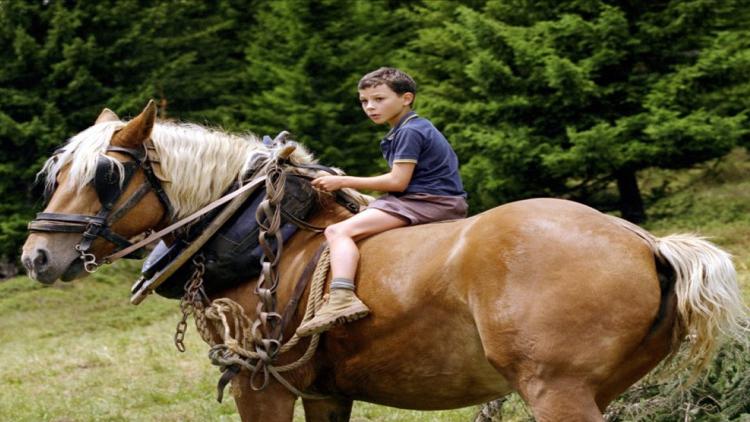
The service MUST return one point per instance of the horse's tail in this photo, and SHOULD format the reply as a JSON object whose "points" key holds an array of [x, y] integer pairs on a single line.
{"points": [[709, 301]]}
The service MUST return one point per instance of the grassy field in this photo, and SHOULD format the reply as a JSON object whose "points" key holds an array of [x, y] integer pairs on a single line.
{"points": [[81, 352]]}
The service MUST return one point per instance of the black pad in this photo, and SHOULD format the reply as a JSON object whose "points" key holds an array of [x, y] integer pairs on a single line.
{"points": [[107, 180], [233, 253]]}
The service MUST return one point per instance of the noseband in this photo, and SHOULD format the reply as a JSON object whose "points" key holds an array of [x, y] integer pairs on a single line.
{"points": [[108, 189]]}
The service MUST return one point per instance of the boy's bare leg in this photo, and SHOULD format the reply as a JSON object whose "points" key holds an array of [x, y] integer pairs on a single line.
{"points": [[341, 236], [342, 304]]}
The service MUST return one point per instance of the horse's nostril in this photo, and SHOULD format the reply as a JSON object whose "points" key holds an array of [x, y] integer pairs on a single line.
{"points": [[27, 263], [41, 259]]}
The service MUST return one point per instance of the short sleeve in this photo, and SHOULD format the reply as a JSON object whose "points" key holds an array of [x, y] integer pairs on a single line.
{"points": [[407, 146]]}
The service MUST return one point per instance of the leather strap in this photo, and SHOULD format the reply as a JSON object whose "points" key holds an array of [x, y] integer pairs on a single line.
{"points": [[161, 233], [299, 289], [98, 225], [291, 307], [302, 223], [130, 203]]}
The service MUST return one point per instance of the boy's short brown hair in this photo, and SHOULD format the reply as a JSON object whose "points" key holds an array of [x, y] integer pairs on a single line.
{"points": [[395, 79]]}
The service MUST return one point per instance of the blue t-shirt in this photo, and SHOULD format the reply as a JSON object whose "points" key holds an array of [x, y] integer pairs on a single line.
{"points": [[415, 140]]}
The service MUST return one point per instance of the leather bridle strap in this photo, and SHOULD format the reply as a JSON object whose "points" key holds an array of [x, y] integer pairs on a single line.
{"points": [[74, 223], [99, 224], [343, 198], [153, 180], [130, 203]]}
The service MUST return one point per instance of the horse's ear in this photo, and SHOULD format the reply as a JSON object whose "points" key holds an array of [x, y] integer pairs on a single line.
{"points": [[137, 130], [107, 115]]}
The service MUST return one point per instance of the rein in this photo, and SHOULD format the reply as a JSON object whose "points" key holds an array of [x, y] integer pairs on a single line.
{"points": [[192, 217]]}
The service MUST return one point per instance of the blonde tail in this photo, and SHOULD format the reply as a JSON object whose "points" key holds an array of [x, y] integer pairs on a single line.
{"points": [[709, 301]]}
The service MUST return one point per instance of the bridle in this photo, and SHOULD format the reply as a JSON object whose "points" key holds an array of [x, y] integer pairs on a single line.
{"points": [[109, 190]]}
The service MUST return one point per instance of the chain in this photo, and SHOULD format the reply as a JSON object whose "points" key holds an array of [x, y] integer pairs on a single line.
{"points": [[242, 343], [89, 260], [266, 339], [191, 302], [230, 351]]}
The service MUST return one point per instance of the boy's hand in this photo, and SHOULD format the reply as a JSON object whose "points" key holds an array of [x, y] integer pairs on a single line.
{"points": [[328, 183]]}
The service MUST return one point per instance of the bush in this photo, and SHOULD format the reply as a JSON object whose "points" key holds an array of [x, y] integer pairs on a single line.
{"points": [[720, 395]]}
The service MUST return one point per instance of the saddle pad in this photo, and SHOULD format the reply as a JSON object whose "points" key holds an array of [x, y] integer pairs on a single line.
{"points": [[233, 254]]}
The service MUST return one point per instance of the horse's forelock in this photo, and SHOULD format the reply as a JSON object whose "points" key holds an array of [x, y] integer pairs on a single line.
{"points": [[81, 152]]}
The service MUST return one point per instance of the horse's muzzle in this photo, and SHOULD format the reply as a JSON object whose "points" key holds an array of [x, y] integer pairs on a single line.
{"points": [[38, 266], [36, 263]]}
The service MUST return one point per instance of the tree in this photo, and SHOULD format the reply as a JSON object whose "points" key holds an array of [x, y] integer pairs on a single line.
{"points": [[63, 62], [304, 60], [561, 98]]}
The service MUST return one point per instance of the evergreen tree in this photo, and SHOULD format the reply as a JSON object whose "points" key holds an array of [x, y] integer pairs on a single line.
{"points": [[304, 60], [561, 98], [63, 62]]}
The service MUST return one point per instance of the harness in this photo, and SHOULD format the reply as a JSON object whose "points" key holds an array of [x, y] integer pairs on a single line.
{"points": [[266, 333], [108, 189]]}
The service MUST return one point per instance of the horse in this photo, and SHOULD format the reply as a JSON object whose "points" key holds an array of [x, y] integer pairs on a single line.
{"points": [[545, 297]]}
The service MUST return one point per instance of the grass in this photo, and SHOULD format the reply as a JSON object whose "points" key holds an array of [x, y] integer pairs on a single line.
{"points": [[81, 352]]}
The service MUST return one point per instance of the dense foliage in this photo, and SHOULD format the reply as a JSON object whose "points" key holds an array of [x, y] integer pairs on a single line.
{"points": [[717, 396], [538, 98], [560, 98]]}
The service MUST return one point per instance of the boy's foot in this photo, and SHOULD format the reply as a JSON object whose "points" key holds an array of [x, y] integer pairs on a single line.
{"points": [[342, 306]]}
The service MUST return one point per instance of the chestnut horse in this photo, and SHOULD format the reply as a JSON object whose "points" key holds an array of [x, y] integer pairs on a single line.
{"points": [[548, 298]]}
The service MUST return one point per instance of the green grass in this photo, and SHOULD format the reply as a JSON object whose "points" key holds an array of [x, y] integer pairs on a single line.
{"points": [[80, 352]]}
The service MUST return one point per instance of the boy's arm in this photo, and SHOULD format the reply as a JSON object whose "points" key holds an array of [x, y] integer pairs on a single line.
{"points": [[395, 181]]}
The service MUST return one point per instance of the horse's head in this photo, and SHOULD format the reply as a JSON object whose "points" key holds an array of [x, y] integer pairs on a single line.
{"points": [[102, 192]]}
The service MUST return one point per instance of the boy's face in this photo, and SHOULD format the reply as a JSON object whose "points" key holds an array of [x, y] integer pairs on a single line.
{"points": [[383, 105]]}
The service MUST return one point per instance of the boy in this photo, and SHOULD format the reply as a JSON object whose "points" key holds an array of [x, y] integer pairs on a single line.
{"points": [[423, 186]]}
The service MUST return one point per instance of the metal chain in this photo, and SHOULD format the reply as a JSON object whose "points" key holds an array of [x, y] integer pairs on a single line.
{"points": [[191, 302], [89, 260], [229, 315], [266, 339], [235, 332]]}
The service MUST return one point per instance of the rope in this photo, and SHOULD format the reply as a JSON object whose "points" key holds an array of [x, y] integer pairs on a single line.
{"points": [[230, 317]]}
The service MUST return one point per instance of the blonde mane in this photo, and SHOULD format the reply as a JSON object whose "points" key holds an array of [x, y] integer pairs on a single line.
{"points": [[198, 164]]}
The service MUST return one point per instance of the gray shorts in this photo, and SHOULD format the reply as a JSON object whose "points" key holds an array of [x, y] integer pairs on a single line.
{"points": [[420, 208]]}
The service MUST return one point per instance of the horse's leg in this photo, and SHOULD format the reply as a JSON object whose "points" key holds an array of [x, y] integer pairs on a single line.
{"points": [[645, 357], [559, 400], [328, 410], [272, 404]]}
